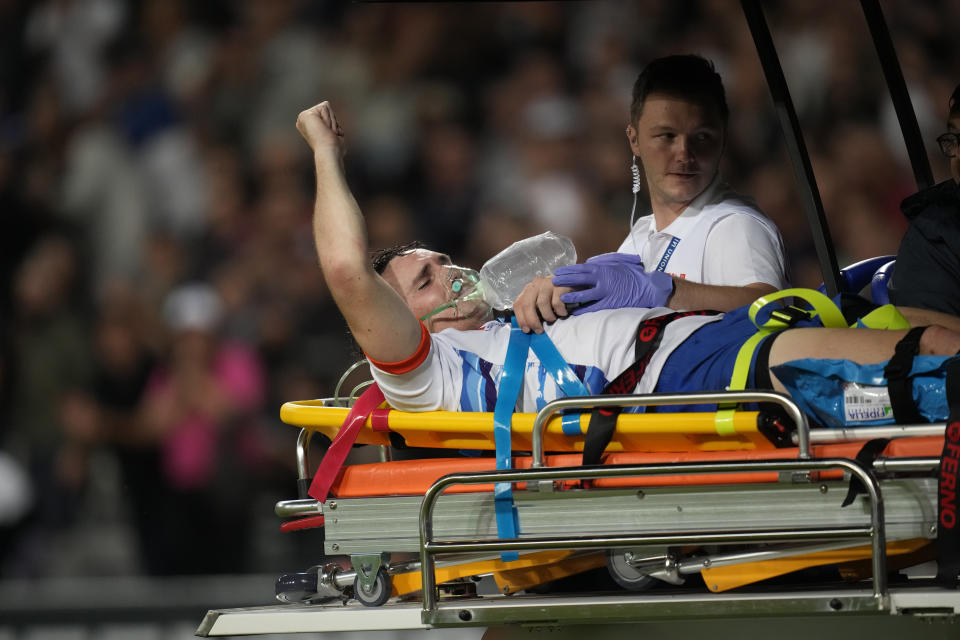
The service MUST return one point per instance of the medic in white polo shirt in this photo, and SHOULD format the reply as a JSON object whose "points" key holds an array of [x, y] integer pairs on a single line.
{"points": [[719, 239], [701, 246]]}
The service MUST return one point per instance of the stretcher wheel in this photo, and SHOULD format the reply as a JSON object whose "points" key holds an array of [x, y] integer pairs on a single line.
{"points": [[314, 585], [376, 594], [624, 574], [297, 587]]}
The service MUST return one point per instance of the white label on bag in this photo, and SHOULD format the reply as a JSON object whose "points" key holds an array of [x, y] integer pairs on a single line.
{"points": [[863, 403]]}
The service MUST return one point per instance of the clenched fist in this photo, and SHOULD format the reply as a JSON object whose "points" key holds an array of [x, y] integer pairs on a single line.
{"points": [[319, 127]]}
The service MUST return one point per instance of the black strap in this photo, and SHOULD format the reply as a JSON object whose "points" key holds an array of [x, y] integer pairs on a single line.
{"points": [[897, 373], [867, 454], [603, 421], [761, 369], [854, 306], [948, 531]]}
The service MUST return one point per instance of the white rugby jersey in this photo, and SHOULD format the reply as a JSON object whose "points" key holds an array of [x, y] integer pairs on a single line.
{"points": [[462, 370], [721, 238]]}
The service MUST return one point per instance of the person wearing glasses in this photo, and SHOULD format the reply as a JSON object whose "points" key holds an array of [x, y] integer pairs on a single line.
{"points": [[927, 272]]}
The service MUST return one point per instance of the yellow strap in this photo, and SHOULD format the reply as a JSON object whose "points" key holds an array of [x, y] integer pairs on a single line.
{"points": [[823, 306], [885, 317], [830, 315], [723, 421], [741, 366]]}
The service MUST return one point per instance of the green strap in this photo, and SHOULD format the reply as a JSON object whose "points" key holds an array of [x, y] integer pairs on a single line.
{"points": [[823, 306], [741, 366], [885, 317], [723, 422]]}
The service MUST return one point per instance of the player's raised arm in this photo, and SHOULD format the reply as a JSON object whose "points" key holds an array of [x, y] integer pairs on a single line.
{"points": [[379, 319]]}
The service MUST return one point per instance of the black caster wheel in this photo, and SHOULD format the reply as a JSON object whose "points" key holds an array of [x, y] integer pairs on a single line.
{"points": [[308, 586], [297, 587], [376, 594], [624, 574]]}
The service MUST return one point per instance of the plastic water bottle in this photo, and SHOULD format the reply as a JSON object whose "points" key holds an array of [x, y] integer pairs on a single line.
{"points": [[505, 275]]}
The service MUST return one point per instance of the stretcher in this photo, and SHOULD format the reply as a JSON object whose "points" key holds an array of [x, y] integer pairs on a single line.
{"points": [[675, 502], [674, 498]]}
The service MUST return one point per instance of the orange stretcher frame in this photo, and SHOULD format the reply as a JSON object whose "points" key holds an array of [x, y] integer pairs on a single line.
{"points": [[414, 477]]}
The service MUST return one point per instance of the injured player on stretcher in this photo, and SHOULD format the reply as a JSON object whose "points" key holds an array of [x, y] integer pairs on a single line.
{"points": [[456, 359]]}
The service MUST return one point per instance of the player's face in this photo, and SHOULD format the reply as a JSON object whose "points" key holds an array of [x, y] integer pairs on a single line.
{"points": [[679, 144], [953, 126], [420, 277]]}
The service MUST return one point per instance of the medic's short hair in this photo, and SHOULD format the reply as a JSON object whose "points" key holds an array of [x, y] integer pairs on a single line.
{"points": [[688, 76]]}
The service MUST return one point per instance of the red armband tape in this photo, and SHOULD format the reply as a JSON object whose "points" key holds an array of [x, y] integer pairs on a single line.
{"points": [[407, 364]]}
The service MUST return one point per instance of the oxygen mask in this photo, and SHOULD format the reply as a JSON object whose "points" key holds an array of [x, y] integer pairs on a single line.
{"points": [[465, 294]]}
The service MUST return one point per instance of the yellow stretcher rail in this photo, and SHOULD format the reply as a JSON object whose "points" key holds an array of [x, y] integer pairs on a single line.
{"points": [[646, 432]]}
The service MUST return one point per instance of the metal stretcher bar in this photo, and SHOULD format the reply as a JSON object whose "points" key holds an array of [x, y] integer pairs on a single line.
{"points": [[430, 547], [721, 398], [474, 430], [869, 433], [368, 525]]}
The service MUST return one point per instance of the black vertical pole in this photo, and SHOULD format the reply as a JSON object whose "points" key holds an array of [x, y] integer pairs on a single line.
{"points": [[812, 205], [898, 93]]}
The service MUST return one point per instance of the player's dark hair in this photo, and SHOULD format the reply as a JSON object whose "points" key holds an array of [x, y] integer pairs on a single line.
{"points": [[382, 257]]}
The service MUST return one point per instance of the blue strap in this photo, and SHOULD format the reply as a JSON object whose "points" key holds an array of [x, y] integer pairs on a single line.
{"points": [[665, 258], [570, 424], [556, 366], [510, 384], [561, 372]]}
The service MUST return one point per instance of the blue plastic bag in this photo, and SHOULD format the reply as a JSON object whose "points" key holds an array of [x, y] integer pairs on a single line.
{"points": [[841, 393]]}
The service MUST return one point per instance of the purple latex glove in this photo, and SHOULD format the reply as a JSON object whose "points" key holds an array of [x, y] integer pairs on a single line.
{"points": [[613, 281]]}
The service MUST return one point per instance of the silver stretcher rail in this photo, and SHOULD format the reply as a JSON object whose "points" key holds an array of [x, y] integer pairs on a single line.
{"points": [[782, 501], [429, 547], [846, 434], [661, 399]]}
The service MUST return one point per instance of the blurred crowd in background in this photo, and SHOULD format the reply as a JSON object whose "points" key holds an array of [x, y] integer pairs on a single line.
{"points": [[159, 293]]}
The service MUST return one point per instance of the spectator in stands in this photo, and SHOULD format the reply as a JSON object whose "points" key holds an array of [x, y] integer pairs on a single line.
{"points": [[201, 405]]}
